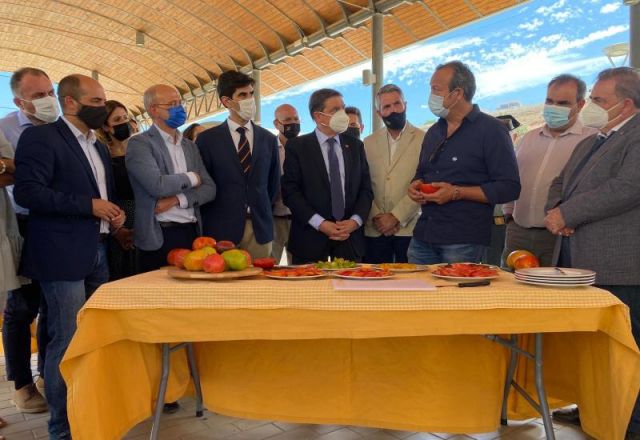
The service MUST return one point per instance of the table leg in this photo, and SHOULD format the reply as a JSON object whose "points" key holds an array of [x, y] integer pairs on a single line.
{"points": [[542, 395], [162, 389], [513, 361], [193, 369]]}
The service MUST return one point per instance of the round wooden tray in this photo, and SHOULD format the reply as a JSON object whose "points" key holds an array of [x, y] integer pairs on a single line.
{"points": [[230, 275]]}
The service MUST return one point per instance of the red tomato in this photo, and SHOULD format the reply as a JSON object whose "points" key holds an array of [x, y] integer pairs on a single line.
{"points": [[428, 188], [265, 263]]}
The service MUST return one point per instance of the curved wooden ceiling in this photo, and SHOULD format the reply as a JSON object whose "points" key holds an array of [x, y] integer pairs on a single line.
{"points": [[188, 43]]}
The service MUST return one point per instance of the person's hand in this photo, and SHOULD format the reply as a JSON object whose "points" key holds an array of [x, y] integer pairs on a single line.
{"points": [[414, 192], [199, 179], [9, 164], [554, 222], [445, 193], [166, 203], [331, 230], [105, 210], [118, 221], [124, 237], [347, 226], [385, 223], [567, 232]]}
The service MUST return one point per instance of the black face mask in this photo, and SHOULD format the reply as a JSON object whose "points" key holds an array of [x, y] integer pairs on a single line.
{"points": [[93, 117], [395, 120], [354, 132], [121, 131], [291, 130]]}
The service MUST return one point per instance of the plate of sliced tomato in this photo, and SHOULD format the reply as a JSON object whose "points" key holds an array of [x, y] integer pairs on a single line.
{"points": [[364, 273], [465, 271], [294, 273]]}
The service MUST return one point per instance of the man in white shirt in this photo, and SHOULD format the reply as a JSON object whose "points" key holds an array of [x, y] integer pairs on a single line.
{"points": [[542, 154], [392, 153], [168, 179], [287, 122]]}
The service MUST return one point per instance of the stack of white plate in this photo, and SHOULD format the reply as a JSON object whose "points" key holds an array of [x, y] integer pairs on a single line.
{"points": [[556, 276]]}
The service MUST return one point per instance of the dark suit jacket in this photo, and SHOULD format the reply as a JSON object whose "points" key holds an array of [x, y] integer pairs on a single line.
{"points": [[55, 182], [224, 217], [306, 191]]}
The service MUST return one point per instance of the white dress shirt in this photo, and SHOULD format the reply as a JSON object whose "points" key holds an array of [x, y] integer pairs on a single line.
{"points": [[233, 127], [181, 213], [317, 219], [393, 143], [87, 143], [541, 158]]}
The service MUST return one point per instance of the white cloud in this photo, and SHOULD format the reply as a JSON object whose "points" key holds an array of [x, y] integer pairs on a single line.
{"points": [[565, 45], [551, 38], [561, 17], [548, 10], [531, 25], [610, 7]]}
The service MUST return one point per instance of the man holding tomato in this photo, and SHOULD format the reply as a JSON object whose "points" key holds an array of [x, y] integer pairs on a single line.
{"points": [[468, 158]]}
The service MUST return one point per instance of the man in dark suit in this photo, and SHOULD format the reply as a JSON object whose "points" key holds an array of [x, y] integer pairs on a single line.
{"points": [[63, 177], [329, 203], [242, 159]]}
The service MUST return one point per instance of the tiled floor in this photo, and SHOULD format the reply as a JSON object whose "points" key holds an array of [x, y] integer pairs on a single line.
{"points": [[184, 426]]}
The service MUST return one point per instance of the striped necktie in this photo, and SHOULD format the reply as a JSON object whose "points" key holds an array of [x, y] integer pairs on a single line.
{"points": [[244, 152]]}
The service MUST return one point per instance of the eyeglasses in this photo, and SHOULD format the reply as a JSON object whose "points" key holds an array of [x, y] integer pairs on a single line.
{"points": [[436, 152], [172, 104]]}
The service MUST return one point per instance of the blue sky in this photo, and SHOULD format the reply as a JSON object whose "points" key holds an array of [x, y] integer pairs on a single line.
{"points": [[513, 55]]}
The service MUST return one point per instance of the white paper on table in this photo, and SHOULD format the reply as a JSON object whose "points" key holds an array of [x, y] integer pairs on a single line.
{"points": [[382, 285]]}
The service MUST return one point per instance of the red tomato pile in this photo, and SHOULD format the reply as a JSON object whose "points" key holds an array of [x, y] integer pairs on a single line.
{"points": [[364, 272], [303, 271], [466, 270]]}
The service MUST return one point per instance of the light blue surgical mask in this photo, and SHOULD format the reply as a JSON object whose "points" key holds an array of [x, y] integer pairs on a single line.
{"points": [[556, 116], [436, 105]]}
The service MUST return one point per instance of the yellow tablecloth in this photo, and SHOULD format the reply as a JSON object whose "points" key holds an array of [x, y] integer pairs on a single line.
{"points": [[299, 351]]}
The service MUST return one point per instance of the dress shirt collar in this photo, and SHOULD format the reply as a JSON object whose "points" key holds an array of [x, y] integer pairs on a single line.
{"points": [[576, 128], [168, 137], [91, 139], [233, 126], [619, 126], [322, 138], [391, 139], [23, 119], [472, 116]]}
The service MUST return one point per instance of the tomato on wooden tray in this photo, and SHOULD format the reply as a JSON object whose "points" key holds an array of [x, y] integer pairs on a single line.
{"points": [[365, 272]]}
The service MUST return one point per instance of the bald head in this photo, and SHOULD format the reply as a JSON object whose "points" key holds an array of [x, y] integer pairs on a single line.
{"points": [[160, 94], [80, 89], [285, 115]]}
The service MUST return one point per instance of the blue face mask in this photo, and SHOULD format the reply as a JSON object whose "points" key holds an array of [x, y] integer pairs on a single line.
{"points": [[177, 116], [556, 116]]}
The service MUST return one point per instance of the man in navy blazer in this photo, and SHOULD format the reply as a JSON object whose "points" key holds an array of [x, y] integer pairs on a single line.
{"points": [[63, 176], [242, 159], [326, 185]]}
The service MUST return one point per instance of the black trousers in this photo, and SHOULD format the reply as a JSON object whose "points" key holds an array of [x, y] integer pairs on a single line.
{"points": [[23, 305], [382, 249], [175, 236]]}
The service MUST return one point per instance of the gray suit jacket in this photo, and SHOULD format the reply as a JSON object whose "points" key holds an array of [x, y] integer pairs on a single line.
{"points": [[152, 177], [602, 204]]}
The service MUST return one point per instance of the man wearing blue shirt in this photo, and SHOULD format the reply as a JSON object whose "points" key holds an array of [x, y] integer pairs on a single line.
{"points": [[468, 156]]}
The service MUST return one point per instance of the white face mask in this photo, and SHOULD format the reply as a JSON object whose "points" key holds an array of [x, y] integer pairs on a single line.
{"points": [[46, 109], [339, 121], [247, 109], [595, 116]]}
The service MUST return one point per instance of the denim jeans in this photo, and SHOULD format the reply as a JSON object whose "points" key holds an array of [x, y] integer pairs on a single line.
{"points": [[22, 307], [424, 253], [64, 300]]}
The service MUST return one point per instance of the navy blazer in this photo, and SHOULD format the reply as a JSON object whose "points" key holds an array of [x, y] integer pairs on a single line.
{"points": [[306, 191], [224, 217], [54, 180]]}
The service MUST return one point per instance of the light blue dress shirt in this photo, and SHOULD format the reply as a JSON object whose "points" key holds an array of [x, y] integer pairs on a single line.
{"points": [[12, 127]]}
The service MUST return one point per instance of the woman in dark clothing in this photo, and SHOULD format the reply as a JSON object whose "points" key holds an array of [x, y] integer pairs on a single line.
{"points": [[115, 133]]}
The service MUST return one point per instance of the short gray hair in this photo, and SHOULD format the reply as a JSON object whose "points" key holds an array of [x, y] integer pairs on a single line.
{"points": [[462, 78], [627, 82], [17, 76], [567, 78], [149, 97], [388, 88]]}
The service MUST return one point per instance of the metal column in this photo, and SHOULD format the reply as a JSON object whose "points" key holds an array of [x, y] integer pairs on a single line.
{"points": [[257, 77], [377, 64], [634, 36]]}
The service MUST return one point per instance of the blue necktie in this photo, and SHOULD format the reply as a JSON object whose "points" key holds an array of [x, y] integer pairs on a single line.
{"points": [[337, 197]]}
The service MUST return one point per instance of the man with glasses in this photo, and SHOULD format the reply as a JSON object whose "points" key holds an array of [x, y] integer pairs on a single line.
{"points": [[468, 158], [326, 185], [392, 153], [36, 101], [541, 155], [168, 178]]}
